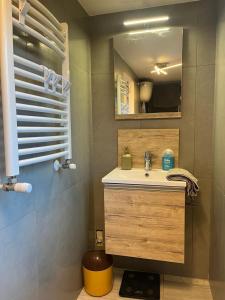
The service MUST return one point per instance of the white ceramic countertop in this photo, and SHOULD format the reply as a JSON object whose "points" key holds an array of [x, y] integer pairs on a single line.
{"points": [[156, 177]]}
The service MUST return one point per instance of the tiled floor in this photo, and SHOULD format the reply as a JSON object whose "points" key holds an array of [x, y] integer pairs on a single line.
{"points": [[172, 288]]}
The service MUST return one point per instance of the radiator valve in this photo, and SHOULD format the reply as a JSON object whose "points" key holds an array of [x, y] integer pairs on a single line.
{"points": [[13, 186], [66, 165]]}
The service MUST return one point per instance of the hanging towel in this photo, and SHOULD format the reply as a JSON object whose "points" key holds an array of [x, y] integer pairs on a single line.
{"points": [[192, 187]]}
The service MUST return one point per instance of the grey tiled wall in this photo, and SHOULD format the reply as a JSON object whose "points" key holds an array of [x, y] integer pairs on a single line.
{"points": [[44, 235], [217, 261], [198, 20]]}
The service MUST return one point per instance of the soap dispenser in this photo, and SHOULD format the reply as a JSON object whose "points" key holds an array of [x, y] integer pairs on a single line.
{"points": [[126, 161], [168, 160]]}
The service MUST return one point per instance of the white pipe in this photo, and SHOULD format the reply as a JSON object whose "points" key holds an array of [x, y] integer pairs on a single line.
{"points": [[40, 17], [28, 63], [35, 160], [46, 12], [34, 129], [38, 88], [34, 119], [41, 139], [35, 150], [38, 36], [67, 165], [8, 89], [38, 26], [41, 109], [66, 75], [25, 96], [33, 76]]}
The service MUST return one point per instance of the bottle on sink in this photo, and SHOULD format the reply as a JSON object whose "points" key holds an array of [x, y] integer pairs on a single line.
{"points": [[168, 160], [126, 160]]}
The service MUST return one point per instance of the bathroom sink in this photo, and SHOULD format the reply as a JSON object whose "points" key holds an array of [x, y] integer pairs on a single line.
{"points": [[156, 177]]}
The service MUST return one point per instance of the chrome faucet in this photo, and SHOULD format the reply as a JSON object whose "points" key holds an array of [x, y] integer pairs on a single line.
{"points": [[148, 161]]}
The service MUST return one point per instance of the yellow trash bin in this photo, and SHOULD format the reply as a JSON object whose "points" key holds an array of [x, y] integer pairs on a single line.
{"points": [[98, 273]]}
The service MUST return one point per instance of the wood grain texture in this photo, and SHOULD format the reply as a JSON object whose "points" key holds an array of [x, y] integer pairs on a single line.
{"points": [[145, 224], [153, 140], [165, 115]]}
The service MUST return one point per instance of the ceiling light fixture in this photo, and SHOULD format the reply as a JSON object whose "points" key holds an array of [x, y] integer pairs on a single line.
{"points": [[146, 21], [163, 70], [159, 71], [172, 67], [156, 30]]}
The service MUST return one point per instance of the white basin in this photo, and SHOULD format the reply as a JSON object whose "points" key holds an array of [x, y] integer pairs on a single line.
{"points": [[156, 177]]}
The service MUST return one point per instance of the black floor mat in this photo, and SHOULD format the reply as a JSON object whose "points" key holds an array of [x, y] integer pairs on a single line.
{"points": [[140, 285]]}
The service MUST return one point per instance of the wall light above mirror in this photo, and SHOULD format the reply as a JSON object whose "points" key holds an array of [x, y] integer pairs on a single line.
{"points": [[148, 73]]}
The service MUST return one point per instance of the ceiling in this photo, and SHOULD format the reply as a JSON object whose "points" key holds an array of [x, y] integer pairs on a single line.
{"points": [[100, 7], [144, 51]]}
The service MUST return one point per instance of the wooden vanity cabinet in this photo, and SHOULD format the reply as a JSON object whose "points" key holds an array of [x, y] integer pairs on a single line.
{"points": [[145, 223]]}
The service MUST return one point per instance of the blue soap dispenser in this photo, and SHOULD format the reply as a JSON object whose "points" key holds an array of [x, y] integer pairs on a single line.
{"points": [[168, 160]]}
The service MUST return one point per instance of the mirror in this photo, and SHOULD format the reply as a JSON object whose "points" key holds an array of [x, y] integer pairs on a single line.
{"points": [[148, 73]]}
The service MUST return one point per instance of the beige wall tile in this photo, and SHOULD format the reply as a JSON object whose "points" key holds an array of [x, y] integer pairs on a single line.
{"points": [[101, 55], [204, 121], [217, 261], [219, 141], [188, 94], [190, 47], [206, 45]]}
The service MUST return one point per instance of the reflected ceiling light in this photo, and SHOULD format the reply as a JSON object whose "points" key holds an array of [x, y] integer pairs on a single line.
{"points": [[159, 70], [172, 67], [156, 30], [146, 21]]}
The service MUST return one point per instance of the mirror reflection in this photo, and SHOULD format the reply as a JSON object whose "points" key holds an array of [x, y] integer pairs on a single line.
{"points": [[148, 73]]}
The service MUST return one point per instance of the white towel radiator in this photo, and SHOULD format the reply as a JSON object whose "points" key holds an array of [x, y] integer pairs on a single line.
{"points": [[35, 99]]}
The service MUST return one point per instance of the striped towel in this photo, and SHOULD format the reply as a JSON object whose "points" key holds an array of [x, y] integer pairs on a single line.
{"points": [[192, 186]]}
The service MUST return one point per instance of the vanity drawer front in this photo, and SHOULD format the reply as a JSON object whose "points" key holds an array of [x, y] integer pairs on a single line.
{"points": [[147, 224]]}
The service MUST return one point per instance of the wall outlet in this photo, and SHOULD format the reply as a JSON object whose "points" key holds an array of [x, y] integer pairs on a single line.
{"points": [[99, 238]]}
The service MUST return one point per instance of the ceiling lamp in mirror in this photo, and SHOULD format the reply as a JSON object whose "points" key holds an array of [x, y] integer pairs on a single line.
{"points": [[155, 30], [146, 21], [161, 69]]}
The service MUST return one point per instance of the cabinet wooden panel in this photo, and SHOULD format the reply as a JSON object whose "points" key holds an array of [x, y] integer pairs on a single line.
{"points": [[147, 224]]}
